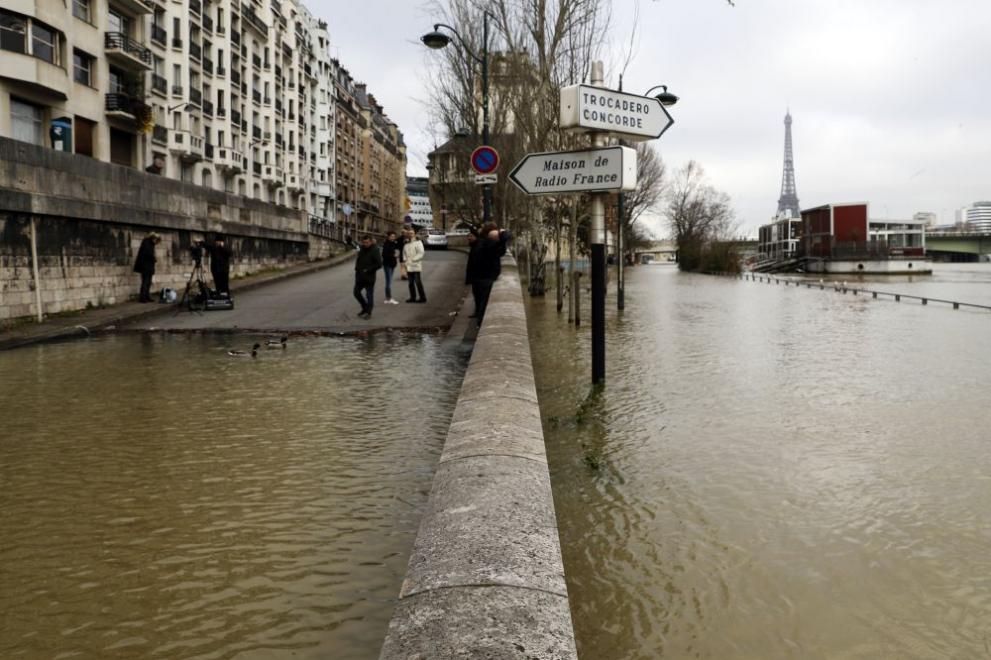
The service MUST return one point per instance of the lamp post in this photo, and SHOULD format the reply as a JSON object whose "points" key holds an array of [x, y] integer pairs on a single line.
{"points": [[667, 99], [437, 40]]}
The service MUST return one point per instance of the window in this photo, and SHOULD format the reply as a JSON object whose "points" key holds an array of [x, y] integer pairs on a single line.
{"points": [[12, 29], [27, 122], [118, 23], [81, 9], [82, 68]]}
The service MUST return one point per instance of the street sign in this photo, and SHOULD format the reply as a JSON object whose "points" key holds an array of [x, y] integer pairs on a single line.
{"points": [[483, 179], [596, 109], [484, 160], [592, 170]]}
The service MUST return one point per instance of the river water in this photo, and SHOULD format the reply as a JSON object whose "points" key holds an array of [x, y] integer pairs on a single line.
{"points": [[775, 472], [159, 499]]}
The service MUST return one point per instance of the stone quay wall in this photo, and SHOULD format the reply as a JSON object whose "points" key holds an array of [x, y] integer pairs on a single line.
{"points": [[90, 217], [486, 578]]}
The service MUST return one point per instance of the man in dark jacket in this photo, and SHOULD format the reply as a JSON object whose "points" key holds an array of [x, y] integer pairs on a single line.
{"points": [[368, 261], [145, 265], [220, 264], [488, 263], [390, 259]]}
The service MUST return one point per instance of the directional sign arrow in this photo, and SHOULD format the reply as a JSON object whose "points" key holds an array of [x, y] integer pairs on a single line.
{"points": [[592, 170], [596, 109]]}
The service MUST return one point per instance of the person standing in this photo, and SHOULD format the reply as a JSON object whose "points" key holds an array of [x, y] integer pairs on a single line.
{"points": [[413, 260], [220, 264], [488, 263], [368, 261], [144, 264], [390, 259]]}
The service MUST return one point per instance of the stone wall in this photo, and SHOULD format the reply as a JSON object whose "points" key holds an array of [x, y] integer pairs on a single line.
{"points": [[486, 578], [90, 219]]}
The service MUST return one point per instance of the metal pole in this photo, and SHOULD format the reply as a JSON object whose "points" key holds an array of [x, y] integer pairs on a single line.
{"points": [[598, 239], [620, 221], [487, 188], [34, 267]]}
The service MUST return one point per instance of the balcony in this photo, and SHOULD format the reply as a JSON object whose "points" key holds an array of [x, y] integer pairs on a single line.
{"points": [[279, 141], [221, 71], [256, 132], [272, 175], [267, 100], [236, 37], [208, 151], [252, 19], [236, 118], [195, 50], [126, 52], [256, 61], [196, 7], [159, 84], [195, 96], [256, 96], [294, 182], [208, 108], [221, 111], [229, 160], [134, 7], [207, 65], [160, 134], [235, 76], [176, 90], [208, 24], [159, 35], [177, 43], [256, 168], [187, 146], [322, 188], [124, 106]]}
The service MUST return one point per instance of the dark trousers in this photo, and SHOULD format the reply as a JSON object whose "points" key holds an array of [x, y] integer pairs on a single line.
{"points": [[367, 300], [145, 295], [416, 286], [482, 297], [388, 271], [474, 297], [221, 280]]}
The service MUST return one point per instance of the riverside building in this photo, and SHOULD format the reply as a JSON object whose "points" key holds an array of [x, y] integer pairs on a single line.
{"points": [[234, 95]]}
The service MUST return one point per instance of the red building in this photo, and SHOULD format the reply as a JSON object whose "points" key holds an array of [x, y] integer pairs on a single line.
{"points": [[834, 230]]}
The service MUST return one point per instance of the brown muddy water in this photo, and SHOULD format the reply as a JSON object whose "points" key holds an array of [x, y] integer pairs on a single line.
{"points": [[774, 472], [159, 499]]}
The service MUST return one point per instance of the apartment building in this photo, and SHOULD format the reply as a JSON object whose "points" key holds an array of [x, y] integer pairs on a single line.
{"points": [[382, 162], [236, 95]]}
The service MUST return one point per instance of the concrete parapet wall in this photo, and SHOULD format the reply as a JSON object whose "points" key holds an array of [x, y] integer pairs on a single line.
{"points": [[486, 578], [91, 216]]}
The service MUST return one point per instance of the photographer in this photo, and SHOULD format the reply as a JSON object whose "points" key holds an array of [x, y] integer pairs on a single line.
{"points": [[220, 263]]}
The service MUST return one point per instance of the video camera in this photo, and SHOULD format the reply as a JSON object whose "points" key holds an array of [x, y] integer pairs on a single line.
{"points": [[196, 252]]}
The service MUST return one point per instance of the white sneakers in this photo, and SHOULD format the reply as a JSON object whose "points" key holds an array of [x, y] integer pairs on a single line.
{"points": [[390, 301]]}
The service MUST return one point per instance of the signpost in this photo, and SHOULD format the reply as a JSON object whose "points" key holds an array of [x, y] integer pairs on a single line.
{"points": [[589, 108], [598, 171], [486, 179], [591, 170]]}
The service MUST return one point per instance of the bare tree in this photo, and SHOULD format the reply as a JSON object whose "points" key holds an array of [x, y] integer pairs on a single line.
{"points": [[647, 197], [699, 217]]}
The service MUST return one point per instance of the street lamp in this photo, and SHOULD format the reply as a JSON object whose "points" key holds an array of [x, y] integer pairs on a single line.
{"points": [[667, 99], [437, 40]]}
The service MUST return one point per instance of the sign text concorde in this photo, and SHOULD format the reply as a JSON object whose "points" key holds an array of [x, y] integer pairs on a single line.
{"points": [[588, 108], [593, 170]]}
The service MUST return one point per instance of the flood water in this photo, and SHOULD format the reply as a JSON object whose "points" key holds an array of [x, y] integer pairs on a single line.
{"points": [[159, 499], [775, 472]]}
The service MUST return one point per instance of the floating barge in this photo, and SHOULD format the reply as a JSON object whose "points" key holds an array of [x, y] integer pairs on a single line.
{"points": [[840, 239]]}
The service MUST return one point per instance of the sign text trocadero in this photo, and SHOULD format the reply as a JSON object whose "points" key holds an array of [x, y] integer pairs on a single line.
{"points": [[585, 107]]}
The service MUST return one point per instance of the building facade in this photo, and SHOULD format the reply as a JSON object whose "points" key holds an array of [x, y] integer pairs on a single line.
{"points": [[978, 217], [235, 95]]}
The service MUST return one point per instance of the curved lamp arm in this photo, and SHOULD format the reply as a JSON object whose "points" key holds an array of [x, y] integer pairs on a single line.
{"points": [[461, 41]]}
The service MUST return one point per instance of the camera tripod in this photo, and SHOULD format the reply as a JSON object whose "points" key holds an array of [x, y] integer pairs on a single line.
{"points": [[195, 295]]}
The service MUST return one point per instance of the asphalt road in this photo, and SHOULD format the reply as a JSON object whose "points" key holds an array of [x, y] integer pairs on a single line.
{"points": [[323, 302]]}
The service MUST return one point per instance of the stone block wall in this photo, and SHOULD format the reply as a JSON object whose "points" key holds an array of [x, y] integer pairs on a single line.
{"points": [[91, 217]]}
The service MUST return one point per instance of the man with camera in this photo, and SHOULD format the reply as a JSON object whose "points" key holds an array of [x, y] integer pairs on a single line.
{"points": [[220, 263]]}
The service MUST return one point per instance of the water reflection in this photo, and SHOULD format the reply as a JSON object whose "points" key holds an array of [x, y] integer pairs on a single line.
{"points": [[161, 499], [773, 472]]}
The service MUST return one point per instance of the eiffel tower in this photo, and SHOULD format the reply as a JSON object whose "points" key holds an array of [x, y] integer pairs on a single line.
{"points": [[788, 202]]}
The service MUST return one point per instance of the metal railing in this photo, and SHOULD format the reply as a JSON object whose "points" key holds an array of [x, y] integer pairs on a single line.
{"points": [[159, 34], [195, 6], [195, 50], [208, 108], [195, 96], [118, 102], [160, 134], [208, 65], [122, 42], [159, 84]]}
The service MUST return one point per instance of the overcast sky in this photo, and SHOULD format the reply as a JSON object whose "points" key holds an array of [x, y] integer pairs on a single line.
{"points": [[891, 99]]}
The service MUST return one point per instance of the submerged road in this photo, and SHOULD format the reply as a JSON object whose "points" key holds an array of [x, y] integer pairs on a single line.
{"points": [[323, 302]]}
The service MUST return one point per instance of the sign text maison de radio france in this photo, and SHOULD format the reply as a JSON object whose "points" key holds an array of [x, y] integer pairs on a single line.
{"points": [[573, 169]]}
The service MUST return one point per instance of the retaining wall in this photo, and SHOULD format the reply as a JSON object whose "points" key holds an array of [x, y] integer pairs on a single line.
{"points": [[486, 578], [90, 217]]}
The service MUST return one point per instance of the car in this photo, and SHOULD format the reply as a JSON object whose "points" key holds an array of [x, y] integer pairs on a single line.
{"points": [[436, 239]]}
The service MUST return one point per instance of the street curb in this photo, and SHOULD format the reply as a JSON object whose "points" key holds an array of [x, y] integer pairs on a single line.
{"points": [[132, 312]]}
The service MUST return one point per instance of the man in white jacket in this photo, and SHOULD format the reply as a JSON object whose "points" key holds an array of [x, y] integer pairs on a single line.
{"points": [[413, 261]]}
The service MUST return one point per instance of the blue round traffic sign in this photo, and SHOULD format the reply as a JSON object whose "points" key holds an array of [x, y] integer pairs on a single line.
{"points": [[485, 160]]}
